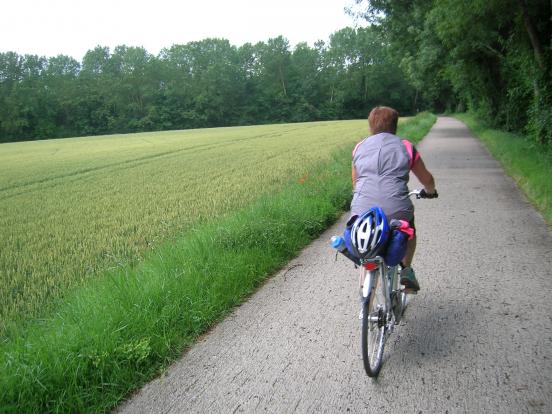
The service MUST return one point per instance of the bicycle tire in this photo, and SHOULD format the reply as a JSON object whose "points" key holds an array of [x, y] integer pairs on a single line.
{"points": [[373, 332], [398, 296], [399, 305]]}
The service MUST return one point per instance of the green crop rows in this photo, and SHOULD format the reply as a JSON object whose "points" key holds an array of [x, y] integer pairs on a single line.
{"points": [[73, 207]]}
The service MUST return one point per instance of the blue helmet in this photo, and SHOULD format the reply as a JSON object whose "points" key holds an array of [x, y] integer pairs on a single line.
{"points": [[369, 233]]}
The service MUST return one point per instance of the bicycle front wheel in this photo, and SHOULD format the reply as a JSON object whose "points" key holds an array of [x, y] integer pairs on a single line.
{"points": [[373, 329]]}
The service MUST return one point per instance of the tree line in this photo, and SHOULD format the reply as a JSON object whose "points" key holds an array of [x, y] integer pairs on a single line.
{"points": [[200, 84], [492, 57]]}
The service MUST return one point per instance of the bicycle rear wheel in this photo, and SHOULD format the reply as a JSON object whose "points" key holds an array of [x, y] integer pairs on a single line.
{"points": [[398, 295], [373, 328]]}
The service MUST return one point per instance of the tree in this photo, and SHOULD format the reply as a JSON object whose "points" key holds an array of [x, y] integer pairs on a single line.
{"points": [[200, 84], [303, 81], [491, 56]]}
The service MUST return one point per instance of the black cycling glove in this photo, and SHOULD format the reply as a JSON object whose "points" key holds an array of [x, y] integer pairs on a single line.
{"points": [[425, 194]]}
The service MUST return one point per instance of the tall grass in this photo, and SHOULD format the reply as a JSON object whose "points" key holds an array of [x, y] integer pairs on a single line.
{"points": [[116, 332], [529, 164], [413, 129]]}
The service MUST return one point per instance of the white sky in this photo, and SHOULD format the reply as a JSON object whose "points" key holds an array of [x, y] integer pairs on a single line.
{"points": [[71, 27]]}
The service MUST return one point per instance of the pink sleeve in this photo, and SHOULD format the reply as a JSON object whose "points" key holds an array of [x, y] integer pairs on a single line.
{"points": [[412, 152]]}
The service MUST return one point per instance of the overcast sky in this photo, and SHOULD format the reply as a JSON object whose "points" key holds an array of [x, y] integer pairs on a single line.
{"points": [[71, 27]]}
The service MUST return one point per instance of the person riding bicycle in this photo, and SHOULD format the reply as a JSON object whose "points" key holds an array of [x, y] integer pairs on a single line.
{"points": [[380, 172]]}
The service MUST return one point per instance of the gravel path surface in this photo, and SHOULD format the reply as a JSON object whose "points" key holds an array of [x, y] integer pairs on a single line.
{"points": [[477, 338]]}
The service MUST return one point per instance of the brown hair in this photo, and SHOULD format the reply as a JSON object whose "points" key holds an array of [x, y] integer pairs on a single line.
{"points": [[383, 119]]}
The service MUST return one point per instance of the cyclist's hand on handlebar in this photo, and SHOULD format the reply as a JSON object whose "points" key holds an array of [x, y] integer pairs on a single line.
{"points": [[424, 194]]}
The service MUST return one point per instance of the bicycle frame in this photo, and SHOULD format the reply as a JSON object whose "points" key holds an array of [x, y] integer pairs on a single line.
{"points": [[383, 301], [374, 271]]}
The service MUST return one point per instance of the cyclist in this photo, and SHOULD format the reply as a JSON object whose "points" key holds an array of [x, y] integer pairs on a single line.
{"points": [[380, 172]]}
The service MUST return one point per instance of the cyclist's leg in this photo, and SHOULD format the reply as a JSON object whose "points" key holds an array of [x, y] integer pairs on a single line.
{"points": [[408, 278], [410, 249], [411, 244]]}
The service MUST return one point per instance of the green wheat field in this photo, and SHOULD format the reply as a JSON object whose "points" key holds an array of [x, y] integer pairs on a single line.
{"points": [[70, 208]]}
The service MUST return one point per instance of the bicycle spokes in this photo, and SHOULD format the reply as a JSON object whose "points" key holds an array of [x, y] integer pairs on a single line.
{"points": [[382, 306]]}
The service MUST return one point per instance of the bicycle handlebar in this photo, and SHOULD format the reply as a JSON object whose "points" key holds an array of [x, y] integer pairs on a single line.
{"points": [[423, 194]]}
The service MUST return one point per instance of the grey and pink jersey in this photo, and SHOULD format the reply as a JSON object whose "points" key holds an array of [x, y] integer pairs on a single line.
{"points": [[383, 163]]}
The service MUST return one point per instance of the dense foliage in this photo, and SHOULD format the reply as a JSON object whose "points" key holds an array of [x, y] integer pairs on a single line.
{"points": [[492, 57], [199, 84]]}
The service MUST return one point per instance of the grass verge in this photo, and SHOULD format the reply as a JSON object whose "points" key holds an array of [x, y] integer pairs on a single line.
{"points": [[119, 331], [529, 164]]}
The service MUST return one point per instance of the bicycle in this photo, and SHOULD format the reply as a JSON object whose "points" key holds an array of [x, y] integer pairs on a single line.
{"points": [[381, 309]]}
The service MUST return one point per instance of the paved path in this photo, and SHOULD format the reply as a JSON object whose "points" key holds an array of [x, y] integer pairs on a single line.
{"points": [[476, 339]]}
